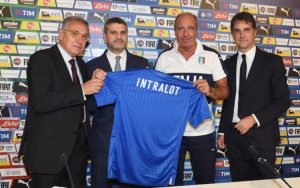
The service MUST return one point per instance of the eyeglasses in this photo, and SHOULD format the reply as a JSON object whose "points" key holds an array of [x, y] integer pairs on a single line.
{"points": [[75, 34]]}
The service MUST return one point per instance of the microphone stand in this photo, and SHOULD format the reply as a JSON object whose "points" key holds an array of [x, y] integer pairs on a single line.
{"points": [[264, 162], [64, 159]]}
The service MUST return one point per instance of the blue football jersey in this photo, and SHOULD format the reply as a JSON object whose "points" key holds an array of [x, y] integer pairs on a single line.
{"points": [[151, 112]]}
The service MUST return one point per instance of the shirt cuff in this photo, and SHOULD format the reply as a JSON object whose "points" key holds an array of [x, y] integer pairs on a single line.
{"points": [[221, 134], [257, 122], [84, 97]]}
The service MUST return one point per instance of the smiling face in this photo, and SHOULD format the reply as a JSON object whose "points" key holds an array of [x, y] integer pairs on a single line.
{"points": [[116, 37], [244, 35], [73, 38], [186, 32]]}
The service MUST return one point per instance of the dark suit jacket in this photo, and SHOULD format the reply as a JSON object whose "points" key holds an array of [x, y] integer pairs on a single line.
{"points": [[267, 96], [104, 116], [53, 111]]}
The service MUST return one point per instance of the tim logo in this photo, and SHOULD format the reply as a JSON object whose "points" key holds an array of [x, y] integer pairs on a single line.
{"points": [[230, 6], [292, 170], [5, 136], [24, 12], [222, 174], [284, 32], [210, 4], [208, 25]]}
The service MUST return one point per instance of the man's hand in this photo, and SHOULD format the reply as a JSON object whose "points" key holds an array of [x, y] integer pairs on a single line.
{"points": [[219, 91], [95, 84], [92, 86], [245, 124], [220, 141], [99, 74], [203, 87]]}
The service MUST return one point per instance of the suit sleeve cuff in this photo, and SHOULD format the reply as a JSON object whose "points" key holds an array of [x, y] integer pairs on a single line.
{"points": [[257, 122]]}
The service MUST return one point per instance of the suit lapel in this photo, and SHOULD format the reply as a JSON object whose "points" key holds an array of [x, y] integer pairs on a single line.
{"points": [[59, 62], [129, 61], [104, 63], [232, 70]]}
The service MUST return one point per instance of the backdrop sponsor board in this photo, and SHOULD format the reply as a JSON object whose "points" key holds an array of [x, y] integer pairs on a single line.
{"points": [[30, 25]]}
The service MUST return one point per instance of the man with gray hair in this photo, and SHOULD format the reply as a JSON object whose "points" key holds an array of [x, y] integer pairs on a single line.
{"points": [[189, 59], [57, 120]]}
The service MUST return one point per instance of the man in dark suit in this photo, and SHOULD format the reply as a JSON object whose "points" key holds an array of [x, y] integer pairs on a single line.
{"points": [[115, 58], [258, 96], [57, 120]]}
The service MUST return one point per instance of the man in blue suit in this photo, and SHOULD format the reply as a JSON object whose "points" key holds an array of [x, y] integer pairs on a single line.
{"points": [[115, 58]]}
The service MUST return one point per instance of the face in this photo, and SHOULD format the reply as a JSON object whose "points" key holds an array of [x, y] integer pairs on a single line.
{"points": [[186, 32], [243, 34], [116, 37], [74, 37]]}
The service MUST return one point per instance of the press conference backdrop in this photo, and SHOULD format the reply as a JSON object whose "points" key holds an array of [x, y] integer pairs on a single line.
{"points": [[30, 25]]}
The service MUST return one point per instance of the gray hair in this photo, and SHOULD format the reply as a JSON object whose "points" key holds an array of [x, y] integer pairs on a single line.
{"points": [[74, 18], [183, 14]]}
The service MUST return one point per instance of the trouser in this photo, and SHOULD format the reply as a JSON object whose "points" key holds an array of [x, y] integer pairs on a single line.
{"points": [[77, 163], [243, 166], [202, 151]]}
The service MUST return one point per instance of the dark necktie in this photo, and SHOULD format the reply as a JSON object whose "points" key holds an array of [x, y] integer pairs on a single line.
{"points": [[118, 65], [243, 78], [77, 82]]}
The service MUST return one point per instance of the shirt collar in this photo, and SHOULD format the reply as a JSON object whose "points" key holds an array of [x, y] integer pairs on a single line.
{"points": [[250, 53], [66, 56], [112, 56]]}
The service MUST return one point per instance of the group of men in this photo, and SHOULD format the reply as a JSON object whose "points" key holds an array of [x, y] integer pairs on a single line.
{"points": [[58, 136]]}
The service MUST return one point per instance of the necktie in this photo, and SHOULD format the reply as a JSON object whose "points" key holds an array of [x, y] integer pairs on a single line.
{"points": [[77, 82], [118, 65], [243, 75]]}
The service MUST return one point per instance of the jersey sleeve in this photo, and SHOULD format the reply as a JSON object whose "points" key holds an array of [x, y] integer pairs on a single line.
{"points": [[108, 94], [198, 109]]}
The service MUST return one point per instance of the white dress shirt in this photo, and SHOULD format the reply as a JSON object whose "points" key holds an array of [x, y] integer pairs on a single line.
{"points": [[249, 59], [112, 59]]}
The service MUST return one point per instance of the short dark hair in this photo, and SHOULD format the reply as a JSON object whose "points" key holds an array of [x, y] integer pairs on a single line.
{"points": [[183, 14], [114, 20], [243, 16], [74, 18]]}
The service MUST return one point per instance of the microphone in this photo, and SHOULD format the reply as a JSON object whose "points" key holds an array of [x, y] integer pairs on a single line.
{"points": [[64, 159], [255, 154]]}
